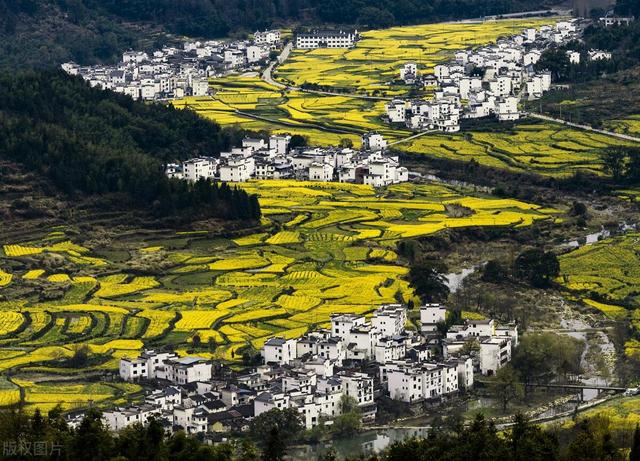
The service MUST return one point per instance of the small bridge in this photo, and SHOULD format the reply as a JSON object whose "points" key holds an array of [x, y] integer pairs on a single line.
{"points": [[578, 388]]}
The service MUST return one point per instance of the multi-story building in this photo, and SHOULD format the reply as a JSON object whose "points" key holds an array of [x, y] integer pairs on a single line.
{"points": [[327, 39]]}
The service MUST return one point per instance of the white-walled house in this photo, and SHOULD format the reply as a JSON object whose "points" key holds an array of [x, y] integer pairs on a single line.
{"points": [[185, 370], [430, 316], [145, 366], [507, 109], [389, 349], [410, 382], [237, 169], [359, 386], [389, 319], [268, 37], [374, 142], [279, 350], [397, 111], [320, 172], [574, 57], [599, 55], [120, 418], [494, 354], [327, 39], [280, 143], [409, 72], [341, 324], [196, 168]]}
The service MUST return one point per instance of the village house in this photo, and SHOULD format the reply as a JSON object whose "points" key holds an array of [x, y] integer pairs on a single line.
{"points": [[267, 37], [315, 372], [409, 73], [185, 370], [430, 316], [273, 159], [172, 72], [279, 350], [327, 39], [482, 82]]}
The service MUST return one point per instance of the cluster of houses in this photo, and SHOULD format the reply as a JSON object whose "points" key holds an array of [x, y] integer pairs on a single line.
{"points": [[490, 80], [174, 72], [274, 159], [362, 358]]}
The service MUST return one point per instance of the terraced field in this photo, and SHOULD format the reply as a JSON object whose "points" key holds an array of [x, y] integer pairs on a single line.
{"points": [[378, 56], [252, 104], [622, 414], [610, 272], [629, 125], [543, 148], [325, 247], [529, 145]]}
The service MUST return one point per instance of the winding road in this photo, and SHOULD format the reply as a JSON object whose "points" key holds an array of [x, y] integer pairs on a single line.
{"points": [[267, 76], [626, 137]]}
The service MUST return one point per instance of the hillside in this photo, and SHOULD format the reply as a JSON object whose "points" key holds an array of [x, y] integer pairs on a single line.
{"points": [[44, 33], [91, 143], [595, 92]]}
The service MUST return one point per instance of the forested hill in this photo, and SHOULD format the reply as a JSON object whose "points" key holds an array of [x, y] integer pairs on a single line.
{"points": [[44, 33], [92, 142]]}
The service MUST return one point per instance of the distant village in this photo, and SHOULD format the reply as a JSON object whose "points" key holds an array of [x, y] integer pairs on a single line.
{"points": [[366, 359], [172, 72], [486, 81], [274, 159], [490, 80]]}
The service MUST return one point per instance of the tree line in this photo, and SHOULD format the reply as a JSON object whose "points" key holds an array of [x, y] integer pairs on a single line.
{"points": [[93, 142], [40, 437]]}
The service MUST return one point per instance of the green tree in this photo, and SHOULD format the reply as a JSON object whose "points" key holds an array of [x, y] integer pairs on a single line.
{"points": [[536, 267], [542, 357], [349, 421], [578, 209], [92, 441], [494, 272], [298, 141], [287, 422], [274, 446], [530, 443], [593, 442], [506, 386], [346, 143], [247, 451], [428, 280], [375, 17], [614, 160]]}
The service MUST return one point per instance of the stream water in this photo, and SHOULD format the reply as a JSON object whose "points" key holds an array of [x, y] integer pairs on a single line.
{"points": [[595, 237], [377, 440], [366, 442]]}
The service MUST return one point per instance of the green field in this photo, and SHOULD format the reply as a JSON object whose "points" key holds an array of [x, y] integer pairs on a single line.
{"points": [[528, 145], [325, 248], [608, 271], [543, 148], [378, 56]]}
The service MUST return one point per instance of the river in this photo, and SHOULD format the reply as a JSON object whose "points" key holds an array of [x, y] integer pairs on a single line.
{"points": [[371, 441]]}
